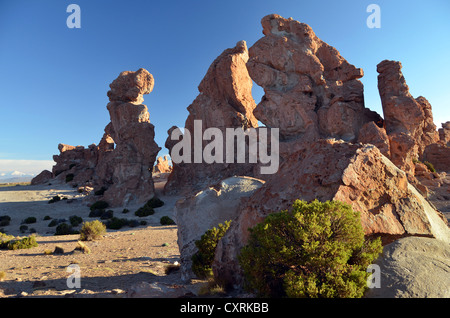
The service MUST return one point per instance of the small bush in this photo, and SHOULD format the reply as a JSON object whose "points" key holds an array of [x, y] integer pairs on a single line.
{"points": [[429, 166], [69, 177], [107, 215], [99, 205], [5, 239], [23, 228], [75, 220], [23, 243], [155, 202], [317, 250], [92, 231], [96, 213], [5, 220], [202, 260], [165, 220], [124, 211], [46, 218], [65, 229], [144, 211], [116, 223], [29, 220]]}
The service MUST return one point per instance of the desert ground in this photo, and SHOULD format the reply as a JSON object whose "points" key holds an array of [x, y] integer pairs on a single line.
{"points": [[130, 262]]}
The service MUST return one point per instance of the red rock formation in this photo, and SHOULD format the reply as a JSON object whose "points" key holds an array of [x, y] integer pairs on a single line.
{"points": [[44, 177], [409, 122], [444, 134], [326, 170], [311, 91], [225, 101], [128, 167], [163, 165]]}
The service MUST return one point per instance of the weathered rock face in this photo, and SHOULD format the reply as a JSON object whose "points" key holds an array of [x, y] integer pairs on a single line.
{"points": [[311, 91], [439, 156], [205, 210], [225, 101], [43, 177], [413, 267], [127, 168], [77, 161], [327, 170], [444, 133], [370, 133], [163, 165], [409, 122]]}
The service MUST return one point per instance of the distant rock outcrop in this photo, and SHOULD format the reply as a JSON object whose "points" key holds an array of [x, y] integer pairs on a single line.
{"points": [[120, 167], [163, 165]]}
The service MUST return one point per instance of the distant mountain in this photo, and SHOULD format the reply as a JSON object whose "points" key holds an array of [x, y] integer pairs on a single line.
{"points": [[15, 176]]}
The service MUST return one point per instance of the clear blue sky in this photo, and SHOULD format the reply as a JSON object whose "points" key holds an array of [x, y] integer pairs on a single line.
{"points": [[54, 80]]}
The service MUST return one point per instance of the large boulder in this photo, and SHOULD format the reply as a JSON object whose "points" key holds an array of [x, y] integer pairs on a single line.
{"points": [[413, 267], [206, 209], [225, 101], [356, 174]]}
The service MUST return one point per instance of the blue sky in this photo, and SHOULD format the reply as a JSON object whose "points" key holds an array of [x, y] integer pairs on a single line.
{"points": [[54, 80]]}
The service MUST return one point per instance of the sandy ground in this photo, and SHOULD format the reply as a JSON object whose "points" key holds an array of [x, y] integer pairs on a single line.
{"points": [[130, 262]]}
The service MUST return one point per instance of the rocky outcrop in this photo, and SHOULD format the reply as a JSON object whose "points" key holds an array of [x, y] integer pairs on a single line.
{"points": [[225, 101], [205, 210], [121, 165], [311, 91], [328, 170], [408, 121], [439, 156], [128, 167], [163, 165], [413, 267], [44, 177], [75, 164], [444, 133]]}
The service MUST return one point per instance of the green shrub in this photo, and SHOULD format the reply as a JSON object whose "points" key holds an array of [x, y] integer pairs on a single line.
{"points": [[29, 220], [99, 205], [165, 220], [124, 211], [65, 229], [429, 166], [144, 211], [24, 243], [46, 218], [5, 220], [93, 230], [107, 215], [116, 223], [14, 243], [23, 228], [4, 240], [317, 250], [155, 202], [53, 223], [75, 220], [202, 260]]}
